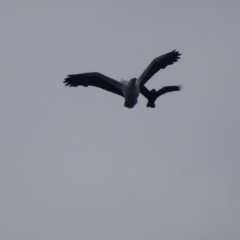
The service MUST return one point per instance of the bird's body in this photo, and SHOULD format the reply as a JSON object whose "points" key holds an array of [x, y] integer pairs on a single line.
{"points": [[131, 92], [128, 89]]}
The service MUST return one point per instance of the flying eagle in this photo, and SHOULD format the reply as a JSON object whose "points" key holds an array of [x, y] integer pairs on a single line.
{"points": [[153, 94], [128, 89]]}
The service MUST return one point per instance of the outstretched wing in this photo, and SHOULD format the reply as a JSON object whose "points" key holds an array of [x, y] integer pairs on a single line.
{"points": [[157, 64], [144, 91], [168, 89], [94, 79]]}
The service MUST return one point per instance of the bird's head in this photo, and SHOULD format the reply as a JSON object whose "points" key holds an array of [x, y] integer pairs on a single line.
{"points": [[153, 90], [133, 80]]}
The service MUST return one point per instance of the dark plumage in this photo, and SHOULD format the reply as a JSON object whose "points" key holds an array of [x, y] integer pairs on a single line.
{"points": [[158, 64], [128, 89], [153, 94], [93, 79]]}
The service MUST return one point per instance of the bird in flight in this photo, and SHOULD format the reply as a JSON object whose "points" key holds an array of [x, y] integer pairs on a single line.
{"points": [[129, 90], [153, 94]]}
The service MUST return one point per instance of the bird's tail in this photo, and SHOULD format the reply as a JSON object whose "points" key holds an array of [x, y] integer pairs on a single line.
{"points": [[130, 104], [151, 104]]}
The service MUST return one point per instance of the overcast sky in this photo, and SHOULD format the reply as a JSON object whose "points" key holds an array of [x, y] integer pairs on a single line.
{"points": [[76, 164]]}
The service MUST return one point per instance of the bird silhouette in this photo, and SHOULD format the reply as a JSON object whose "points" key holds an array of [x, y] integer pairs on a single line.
{"points": [[152, 95], [128, 89]]}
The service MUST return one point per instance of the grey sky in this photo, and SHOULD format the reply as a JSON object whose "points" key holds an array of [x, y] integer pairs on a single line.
{"points": [[76, 164]]}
